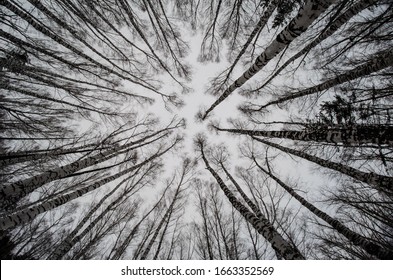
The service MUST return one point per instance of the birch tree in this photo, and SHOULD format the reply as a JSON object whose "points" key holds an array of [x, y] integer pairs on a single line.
{"points": [[380, 182], [379, 62], [307, 14], [81, 155], [331, 28], [356, 135], [17, 190], [184, 178], [29, 214], [361, 241], [218, 234], [221, 81], [263, 226], [135, 184], [34, 241], [369, 214]]}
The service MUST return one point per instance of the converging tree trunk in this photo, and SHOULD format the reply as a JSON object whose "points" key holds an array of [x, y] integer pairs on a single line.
{"points": [[263, 226], [350, 136], [15, 191], [29, 214], [369, 246], [307, 14], [380, 182], [381, 61], [329, 30]]}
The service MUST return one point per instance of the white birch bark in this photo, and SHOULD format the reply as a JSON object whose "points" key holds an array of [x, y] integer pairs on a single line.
{"points": [[262, 225], [307, 14], [351, 136], [71, 239], [29, 214], [260, 25], [19, 157], [17, 190], [378, 63], [380, 182], [333, 27], [357, 239]]}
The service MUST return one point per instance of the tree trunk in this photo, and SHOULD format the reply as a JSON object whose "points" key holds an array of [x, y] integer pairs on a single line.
{"points": [[70, 240], [123, 246], [383, 60], [164, 219], [263, 226], [29, 214], [167, 216], [15, 191], [251, 204], [307, 14], [19, 157], [369, 246], [260, 25], [349, 136], [333, 27], [380, 182]]}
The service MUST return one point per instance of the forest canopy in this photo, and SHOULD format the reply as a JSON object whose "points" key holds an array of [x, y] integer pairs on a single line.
{"points": [[195, 129]]}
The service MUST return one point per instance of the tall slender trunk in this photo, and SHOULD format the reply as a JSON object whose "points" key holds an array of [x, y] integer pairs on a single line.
{"points": [[218, 231], [164, 219], [167, 216], [351, 136], [161, 240], [260, 25], [234, 245], [250, 203], [381, 61], [254, 242], [263, 226], [333, 27], [65, 246], [17, 190], [202, 202], [307, 14], [19, 157], [71, 239], [369, 246], [123, 246], [27, 215], [380, 182], [147, 233]]}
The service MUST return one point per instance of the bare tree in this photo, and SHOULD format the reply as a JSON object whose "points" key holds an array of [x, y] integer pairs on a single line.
{"points": [[183, 180], [332, 27], [355, 135], [380, 182], [261, 224], [378, 62], [359, 240], [307, 14], [29, 214]]}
